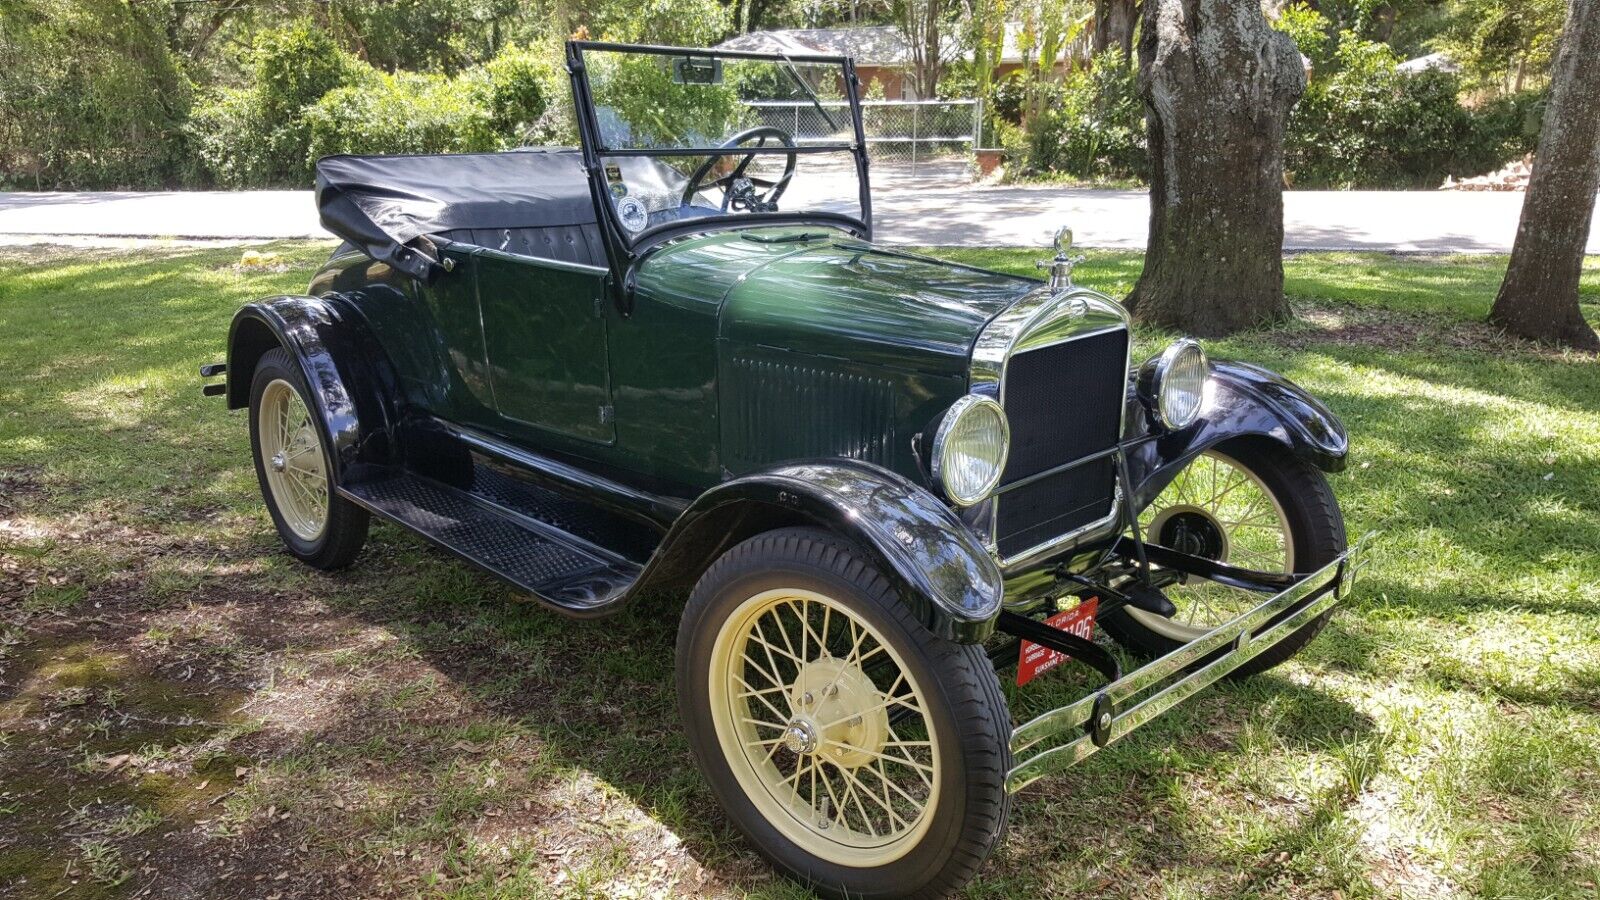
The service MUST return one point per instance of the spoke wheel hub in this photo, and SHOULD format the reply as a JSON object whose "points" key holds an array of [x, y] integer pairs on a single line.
{"points": [[1193, 531], [841, 710]]}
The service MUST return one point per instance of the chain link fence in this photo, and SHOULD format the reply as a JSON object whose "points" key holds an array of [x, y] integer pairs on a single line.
{"points": [[913, 137]]}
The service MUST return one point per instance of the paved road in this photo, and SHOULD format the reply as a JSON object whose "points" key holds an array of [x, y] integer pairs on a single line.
{"points": [[930, 214]]}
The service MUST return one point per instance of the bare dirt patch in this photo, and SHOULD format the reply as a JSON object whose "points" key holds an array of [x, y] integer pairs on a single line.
{"points": [[180, 717], [1389, 329]]}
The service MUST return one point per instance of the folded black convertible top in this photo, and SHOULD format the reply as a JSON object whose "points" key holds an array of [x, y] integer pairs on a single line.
{"points": [[380, 203]]}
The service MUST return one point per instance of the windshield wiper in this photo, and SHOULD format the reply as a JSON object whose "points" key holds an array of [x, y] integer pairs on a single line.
{"points": [[810, 94]]}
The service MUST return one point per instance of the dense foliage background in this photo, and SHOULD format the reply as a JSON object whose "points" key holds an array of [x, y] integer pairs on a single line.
{"points": [[228, 93]]}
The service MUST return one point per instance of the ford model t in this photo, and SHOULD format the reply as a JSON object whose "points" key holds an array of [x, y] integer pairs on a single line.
{"points": [[673, 358]]}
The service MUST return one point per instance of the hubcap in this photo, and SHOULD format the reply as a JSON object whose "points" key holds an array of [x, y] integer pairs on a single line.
{"points": [[800, 737], [824, 728], [1216, 509], [296, 473]]}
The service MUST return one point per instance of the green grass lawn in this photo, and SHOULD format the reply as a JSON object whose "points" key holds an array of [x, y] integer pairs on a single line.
{"points": [[185, 711]]}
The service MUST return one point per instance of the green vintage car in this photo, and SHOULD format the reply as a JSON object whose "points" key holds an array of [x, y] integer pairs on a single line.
{"points": [[674, 358]]}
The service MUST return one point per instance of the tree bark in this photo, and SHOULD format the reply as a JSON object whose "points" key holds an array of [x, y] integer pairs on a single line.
{"points": [[1218, 82], [1113, 25], [1539, 297]]}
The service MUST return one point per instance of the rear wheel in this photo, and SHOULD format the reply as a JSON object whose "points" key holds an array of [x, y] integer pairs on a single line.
{"points": [[295, 469], [1250, 504], [857, 751]]}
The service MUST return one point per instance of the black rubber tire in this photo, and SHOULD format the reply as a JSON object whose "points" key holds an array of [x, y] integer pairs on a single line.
{"points": [[346, 531], [968, 714], [1316, 526]]}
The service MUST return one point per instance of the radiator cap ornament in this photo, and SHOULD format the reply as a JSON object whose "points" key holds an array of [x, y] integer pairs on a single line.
{"points": [[1061, 266]]}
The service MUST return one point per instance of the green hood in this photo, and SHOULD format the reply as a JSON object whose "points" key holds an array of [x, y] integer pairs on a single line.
{"points": [[813, 292], [849, 300]]}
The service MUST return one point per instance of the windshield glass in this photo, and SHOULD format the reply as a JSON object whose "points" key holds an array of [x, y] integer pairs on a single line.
{"points": [[694, 134]]}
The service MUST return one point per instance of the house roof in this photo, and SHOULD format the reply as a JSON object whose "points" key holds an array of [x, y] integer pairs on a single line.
{"points": [[1440, 61], [882, 45], [871, 45]]}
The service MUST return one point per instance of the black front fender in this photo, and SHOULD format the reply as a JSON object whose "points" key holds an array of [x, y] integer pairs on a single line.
{"points": [[939, 568], [1244, 401], [351, 387]]}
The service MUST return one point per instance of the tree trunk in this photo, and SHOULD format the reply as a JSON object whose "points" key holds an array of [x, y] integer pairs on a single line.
{"points": [[1113, 25], [1218, 82], [1539, 298]]}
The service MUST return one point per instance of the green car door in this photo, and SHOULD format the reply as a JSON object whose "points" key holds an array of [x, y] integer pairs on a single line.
{"points": [[544, 332]]}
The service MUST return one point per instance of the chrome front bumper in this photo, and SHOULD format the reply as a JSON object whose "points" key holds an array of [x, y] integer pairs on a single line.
{"points": [[1141, 695]]}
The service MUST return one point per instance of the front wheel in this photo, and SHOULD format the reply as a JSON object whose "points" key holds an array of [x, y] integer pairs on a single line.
{"points": [[856, 750], [1251, 504]]}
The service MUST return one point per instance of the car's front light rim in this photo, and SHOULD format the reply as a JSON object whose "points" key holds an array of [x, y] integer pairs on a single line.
{"points": [[1175, 384], [970, 449]]}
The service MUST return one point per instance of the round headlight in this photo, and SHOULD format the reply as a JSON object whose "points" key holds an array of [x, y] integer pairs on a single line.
{"points": [[1175, 383], [969, 449]]}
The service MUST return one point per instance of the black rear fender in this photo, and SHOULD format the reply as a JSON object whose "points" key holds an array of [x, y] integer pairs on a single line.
{"points": [[352, 388]]}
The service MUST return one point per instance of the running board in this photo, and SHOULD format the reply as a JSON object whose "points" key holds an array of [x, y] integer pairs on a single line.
{"points": [[561, 570]]}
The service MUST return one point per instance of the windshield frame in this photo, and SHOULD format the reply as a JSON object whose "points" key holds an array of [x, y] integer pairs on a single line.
{"points": [[629, 247]]}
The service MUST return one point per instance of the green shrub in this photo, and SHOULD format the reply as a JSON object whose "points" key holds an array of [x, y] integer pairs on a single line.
{"points": [[230, 140], [1506, 128], [1093, 124], [259, 136], [1313, 34], [270, 133], [403, 113], [518, 85], [1005, 98], [90, 97], [1370, 125], [677, 23], [1013, 144], [295, 66]]}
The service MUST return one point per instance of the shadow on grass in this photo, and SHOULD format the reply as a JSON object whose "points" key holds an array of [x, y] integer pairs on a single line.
{"points": [[600, 699]]}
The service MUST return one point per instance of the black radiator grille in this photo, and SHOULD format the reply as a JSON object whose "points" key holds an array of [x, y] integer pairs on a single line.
{"points": [[1064, 402]]}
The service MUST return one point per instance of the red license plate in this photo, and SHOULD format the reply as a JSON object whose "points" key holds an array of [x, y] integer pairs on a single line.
{"points": [[1034, 660]]}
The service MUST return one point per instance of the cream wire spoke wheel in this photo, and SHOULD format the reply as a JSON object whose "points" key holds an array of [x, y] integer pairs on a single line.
{"points": [[292, 460], [823, 727], [295, 471], [858, 750], [1217, 508]]}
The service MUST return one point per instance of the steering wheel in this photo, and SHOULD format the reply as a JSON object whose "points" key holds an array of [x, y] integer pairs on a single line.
{"points": [[739, 191]]}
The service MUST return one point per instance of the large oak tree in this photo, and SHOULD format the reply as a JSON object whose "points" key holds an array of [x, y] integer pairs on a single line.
{"points": [[1539, 298], [1218, 82]]}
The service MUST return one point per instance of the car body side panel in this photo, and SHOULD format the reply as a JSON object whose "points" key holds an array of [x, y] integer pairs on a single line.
{"points": [[664, 355], [544, 331], [664, 386], [429, 334]]}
